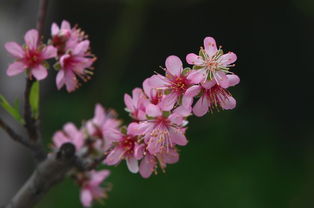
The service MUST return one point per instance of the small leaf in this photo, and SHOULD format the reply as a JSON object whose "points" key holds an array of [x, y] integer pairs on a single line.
{"points": [[34, 99], [12, 110]]}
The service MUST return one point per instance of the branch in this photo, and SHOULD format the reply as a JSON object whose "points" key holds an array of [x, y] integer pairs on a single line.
{"points": [[48, 173]]}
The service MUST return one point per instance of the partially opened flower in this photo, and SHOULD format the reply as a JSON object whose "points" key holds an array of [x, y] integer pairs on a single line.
{"points": [[135, 105], [175, 83], [75, 63], [213, 62], [213, 96], [31, 57], [90, 186], [69, 134]]}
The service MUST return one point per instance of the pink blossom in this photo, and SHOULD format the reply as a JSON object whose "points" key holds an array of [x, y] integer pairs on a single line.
{"points": [[30, 58], [162, 132], [212, 62], [135, 105], [75, 63], [103, 127], [176, 81], [91, 189], [66, 38], [69, 134], [213, 96], [149, 163], [127, 148]]}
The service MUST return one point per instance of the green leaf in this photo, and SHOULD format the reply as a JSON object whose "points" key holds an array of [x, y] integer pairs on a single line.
{"points": [[34, 99], [12, 110]]}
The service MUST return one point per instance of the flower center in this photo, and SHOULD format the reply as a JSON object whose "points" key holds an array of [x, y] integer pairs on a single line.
{"points": [[217, 95], [179, 84], [127, 144], [59, 43], [32, 58]]}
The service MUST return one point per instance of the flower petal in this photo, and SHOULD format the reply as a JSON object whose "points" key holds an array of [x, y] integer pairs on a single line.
{"points": [[65, 25], [54, 29], [167, 103], [97, 177], [86, 197], [196, 76], [16, 68], [70, 81], [147, 166], [194, 59], [233, 79], [129, 102], [81, 48], [228, 58], [221, 79], [227, 103], [201, 106], [177, 136], [132, 164], [39, 72], [153, 110], [193, 91], [210, 46], [157, 81], [49, 52], [31, 38], [115, 156], [60, 79], [14, 49], [174, 65]]}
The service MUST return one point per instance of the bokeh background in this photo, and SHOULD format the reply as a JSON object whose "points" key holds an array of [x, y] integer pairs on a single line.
{"points": [[259, 155]]}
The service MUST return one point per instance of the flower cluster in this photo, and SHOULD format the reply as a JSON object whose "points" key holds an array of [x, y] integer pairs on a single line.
{"points": [[68, 46], [159, 112]]}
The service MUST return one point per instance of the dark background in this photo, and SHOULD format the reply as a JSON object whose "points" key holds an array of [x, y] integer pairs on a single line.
{"points": [[259, 155]]}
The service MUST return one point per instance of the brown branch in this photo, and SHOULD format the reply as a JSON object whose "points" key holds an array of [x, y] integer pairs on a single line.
{"points": [[48, 173]]}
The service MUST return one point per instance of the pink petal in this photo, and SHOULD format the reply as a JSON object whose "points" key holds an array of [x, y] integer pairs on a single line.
{"points": [[132, 164], [196, 76], [157, 81], [221, 79], [59, 139], [183, 111], [70, 81], [86, 197], [147, 166], [210, 46], [99, 115], [201, 107], [174, 65], [209, 84], [139, 151], [31, 39], [170, 157], [194, 59], [49, 52], [177, 137], [115, 156], [65, 25], [39, 72], [137, 94], [97, 177], [133, 129], [70, 129], [54, 29], [168, 102], [228, 58], [129, 102], [177, 117], [14, 49], [228, 103], [193, 91], [60, 79], [81, 48], [233, 79], [153, 110], [16, 68]]}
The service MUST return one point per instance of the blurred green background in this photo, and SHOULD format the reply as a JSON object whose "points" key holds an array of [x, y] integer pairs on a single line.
{"points": [[259, 155]]}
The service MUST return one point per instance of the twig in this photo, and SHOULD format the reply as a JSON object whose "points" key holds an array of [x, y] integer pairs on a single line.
{"points": [[48, 173], [38, 151]]}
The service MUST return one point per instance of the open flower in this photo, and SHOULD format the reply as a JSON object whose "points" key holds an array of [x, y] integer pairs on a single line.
{"points": [[75, 63], [90, 186], [213, 96], [30, 58], [162, 132], [70, 134], [212, 62], [175, 83], [127, 148]]}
